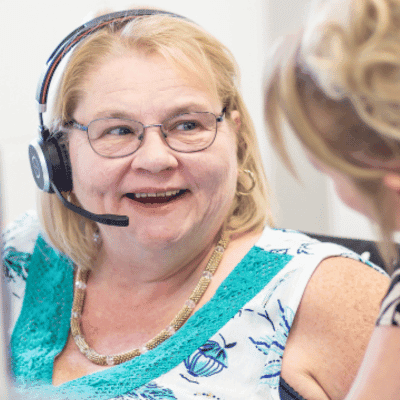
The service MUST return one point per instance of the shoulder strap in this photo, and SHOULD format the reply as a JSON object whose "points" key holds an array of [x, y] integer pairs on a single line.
{"points": [[286, 392]]}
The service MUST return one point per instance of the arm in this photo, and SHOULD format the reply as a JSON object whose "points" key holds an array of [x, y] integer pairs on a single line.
{"points": [[379, 375], [332, 328]]}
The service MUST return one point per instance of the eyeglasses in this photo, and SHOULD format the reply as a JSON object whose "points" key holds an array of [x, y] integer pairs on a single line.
{"points": [[120, 137]]}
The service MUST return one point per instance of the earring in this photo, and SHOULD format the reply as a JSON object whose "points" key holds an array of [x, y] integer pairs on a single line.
{"points": [[252, 186], [96, 238]]}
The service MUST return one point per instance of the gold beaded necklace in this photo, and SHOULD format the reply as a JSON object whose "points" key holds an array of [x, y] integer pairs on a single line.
{"points": [[175, 324]]}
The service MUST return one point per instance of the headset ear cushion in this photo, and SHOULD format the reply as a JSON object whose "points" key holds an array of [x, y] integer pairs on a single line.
{"points": [[60, 164], [50, 163]]}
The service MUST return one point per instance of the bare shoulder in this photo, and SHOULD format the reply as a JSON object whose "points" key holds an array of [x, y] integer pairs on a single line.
{"points": [[332, 328]]}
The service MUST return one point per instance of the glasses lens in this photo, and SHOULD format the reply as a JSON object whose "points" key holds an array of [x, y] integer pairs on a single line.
{"points": [[190, 132], [113, 137]]}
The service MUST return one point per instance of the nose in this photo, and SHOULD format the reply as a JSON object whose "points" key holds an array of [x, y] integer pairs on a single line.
{"points": [[154, 155]]}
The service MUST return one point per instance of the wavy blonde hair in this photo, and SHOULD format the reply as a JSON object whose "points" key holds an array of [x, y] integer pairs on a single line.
{"points": [[193, 50], [346, 60]]}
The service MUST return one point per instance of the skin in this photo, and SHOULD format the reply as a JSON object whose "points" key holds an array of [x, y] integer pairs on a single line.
{"points": [[379, 376]]}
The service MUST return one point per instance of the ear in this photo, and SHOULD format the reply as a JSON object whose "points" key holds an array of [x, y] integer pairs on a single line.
{"points": [[235, 116], [392, 182]]}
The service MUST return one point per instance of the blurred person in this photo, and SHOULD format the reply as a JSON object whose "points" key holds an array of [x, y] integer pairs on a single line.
{"points": [[336, 83]]}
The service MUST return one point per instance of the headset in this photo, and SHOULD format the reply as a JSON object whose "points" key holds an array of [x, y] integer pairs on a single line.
{"points": [[48, 155]]}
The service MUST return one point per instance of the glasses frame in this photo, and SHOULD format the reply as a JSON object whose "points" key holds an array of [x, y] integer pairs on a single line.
{"points": [[85, 128]]}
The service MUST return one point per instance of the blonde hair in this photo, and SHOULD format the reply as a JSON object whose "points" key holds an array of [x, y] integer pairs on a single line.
{"points": [[346, 60], [191, 49]]}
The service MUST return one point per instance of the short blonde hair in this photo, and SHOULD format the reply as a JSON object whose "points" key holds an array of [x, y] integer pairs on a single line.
{"points": [[190, 48], [346, 60]]}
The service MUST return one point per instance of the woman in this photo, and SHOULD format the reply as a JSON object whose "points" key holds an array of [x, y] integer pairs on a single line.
{"points": [[155, 129], [338, 87]]}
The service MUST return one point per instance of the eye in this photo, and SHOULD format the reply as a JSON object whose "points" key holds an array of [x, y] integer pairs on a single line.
{"points": [[119, 131], [186, 125]]}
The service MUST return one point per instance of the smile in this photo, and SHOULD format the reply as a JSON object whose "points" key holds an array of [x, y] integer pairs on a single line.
{"points": [[159, 194], [157, 197]]}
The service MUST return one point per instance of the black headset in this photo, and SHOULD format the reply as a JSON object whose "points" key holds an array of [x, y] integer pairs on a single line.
{"points": [[48, 155]]}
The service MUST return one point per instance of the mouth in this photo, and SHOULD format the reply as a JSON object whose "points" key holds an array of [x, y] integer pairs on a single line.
{"points": [[157, 197]]}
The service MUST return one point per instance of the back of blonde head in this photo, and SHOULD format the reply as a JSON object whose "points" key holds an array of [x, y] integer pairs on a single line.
{"points": [[346, 60], [193, 51]]}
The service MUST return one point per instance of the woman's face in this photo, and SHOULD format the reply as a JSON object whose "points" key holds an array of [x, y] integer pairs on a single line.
{"points": [[325, 122], [149, 89]]}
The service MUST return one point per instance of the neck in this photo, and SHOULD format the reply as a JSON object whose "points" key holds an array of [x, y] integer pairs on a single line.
{"points": [[169, 266]]}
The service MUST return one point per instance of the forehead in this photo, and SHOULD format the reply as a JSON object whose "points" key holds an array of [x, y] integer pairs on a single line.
{"points": [[146, 72]]}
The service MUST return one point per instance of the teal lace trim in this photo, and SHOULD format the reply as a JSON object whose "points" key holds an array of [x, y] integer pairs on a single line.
{"points": [[42, 327], [34, 357]]}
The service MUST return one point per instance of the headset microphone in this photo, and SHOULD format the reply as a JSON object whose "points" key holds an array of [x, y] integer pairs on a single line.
{"points": [[107, 219], [48, 155]]}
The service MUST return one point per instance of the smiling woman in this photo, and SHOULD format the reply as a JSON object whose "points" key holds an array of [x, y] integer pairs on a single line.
{"points": [[198, 295]]}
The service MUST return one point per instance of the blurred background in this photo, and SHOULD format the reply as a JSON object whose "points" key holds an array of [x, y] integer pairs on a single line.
{"points": [[32, 29]]}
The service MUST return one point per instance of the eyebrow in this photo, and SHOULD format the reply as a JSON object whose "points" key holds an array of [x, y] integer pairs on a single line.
{"points": [[182, 109]]}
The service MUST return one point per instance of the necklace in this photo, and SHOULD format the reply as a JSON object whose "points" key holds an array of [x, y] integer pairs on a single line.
{"points": [[175, 324]]}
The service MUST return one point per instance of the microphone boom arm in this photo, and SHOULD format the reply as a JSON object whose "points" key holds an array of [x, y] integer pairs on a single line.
{"points": [[106, 219]]}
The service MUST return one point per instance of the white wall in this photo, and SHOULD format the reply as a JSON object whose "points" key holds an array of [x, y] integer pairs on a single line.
{"points": [[248, 28]]}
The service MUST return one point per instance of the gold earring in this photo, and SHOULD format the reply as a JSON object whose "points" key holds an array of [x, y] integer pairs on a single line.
{"points": [[253, 183]]}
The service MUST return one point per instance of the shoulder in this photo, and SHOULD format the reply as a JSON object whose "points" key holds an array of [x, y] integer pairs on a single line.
{"points": [[294, 243], [19, 239], [25, 246], [306, 253], [332, 326], [344, 291], [22, 233]]}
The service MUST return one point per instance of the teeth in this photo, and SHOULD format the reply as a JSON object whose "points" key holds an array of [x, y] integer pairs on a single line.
{"points": [[159, 194]]}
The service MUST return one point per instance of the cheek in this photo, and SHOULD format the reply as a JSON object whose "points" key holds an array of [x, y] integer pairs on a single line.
{"points": [[216, 175], [87, 171], [349, 194], [225, 180]]}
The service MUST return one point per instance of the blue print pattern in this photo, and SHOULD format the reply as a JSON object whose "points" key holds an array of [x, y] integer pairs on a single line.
{"points": [[293, 244], [149, 392], [16, 264], [18, 241], [276, 344], [209, 359], [305, 248]]}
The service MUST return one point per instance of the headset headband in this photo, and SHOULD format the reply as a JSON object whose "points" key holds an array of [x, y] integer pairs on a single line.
{"points": [[74, 38]]}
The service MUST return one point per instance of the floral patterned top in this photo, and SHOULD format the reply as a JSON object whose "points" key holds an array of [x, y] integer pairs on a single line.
{"points": [[231, 348], [390, 308]]}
